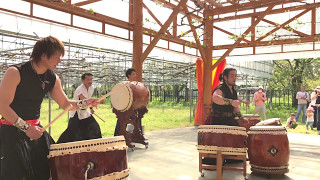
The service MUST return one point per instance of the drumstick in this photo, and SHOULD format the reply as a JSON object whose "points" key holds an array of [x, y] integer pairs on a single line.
{"points": [[99, 117], [111, 92], [55, 119]]}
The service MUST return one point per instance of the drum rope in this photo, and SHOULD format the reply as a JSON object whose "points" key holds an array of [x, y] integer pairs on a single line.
{"points": [[86, 174]]}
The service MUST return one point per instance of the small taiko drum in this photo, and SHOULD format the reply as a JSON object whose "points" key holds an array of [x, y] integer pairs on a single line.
{"points": [[268, 149], [104, 159], [231, 140], [130, 94], [253, 119], [270, 122]]}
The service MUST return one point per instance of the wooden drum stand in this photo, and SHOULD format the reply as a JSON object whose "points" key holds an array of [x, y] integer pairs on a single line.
{"points": [[133, 117]]}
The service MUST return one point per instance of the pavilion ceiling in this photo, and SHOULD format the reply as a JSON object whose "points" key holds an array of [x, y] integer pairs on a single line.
{"points": [[191, 13]]}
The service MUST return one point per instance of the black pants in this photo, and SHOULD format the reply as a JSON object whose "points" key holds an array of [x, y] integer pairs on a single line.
{"points": [[228, 121], [316, 118], [21, 158], [79, 130]]}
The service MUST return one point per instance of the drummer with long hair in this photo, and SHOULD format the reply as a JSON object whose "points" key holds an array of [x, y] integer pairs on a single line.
{"points": [[24, 143], [225, 106]]}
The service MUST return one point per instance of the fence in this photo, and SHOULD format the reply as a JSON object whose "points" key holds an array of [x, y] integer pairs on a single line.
{"points": [[274, 97]]}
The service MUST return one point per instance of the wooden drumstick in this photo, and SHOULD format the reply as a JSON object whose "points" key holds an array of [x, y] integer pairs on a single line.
{"points": [[99, 117], [110, 93], [55, 119]]}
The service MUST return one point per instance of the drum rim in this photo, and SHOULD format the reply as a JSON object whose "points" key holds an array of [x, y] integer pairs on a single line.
{"points": [[221, 127]]}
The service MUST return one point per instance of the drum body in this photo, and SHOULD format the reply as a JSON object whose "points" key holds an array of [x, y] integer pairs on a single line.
{"points": [[268, 149], [130, 94], [104, 158], [231, 140], [141, 94], [253, 119]]}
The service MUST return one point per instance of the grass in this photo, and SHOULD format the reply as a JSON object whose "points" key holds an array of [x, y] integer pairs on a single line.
{"points": [[160, 116]]}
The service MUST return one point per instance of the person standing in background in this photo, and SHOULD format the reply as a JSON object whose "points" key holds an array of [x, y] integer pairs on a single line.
{"points": [[259, 98], [314, 95], [302, 97]]}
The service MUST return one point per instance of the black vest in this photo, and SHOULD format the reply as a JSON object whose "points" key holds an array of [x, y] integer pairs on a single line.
{"points": [[29, 93], [318, 100], [226, 94]]}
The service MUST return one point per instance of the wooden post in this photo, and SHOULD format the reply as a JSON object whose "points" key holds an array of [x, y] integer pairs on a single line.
{"points": [[137, 38], [207, 63]]}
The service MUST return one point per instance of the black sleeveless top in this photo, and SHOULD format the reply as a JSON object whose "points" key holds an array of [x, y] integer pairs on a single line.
{"points": [[29, 93], [227, 94], [318, 100]]}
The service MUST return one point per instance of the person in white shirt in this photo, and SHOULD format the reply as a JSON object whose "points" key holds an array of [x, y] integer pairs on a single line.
{"points": [[302, 97], [82, 125]]}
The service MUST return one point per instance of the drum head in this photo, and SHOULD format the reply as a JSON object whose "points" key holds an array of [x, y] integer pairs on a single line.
{"points": [[273, 121], [122, 98]]}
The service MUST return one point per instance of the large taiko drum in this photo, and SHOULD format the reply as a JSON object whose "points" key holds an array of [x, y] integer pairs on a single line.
{"points": [[253, 119], [104, 159], [231, 140], [130, 94], [268, 149]]}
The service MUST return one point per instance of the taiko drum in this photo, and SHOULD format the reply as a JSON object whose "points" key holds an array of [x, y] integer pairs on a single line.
{"points": [[104, 158], [268, 149]]}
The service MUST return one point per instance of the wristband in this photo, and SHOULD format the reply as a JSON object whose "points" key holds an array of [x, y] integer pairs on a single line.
{"points": [[21, 124], [227, 101], [239, 115], [82, 104]]}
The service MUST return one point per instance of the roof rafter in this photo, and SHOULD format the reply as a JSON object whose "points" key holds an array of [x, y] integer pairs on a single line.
{"points": [[284, 24], [258, 19], [86, 2]]}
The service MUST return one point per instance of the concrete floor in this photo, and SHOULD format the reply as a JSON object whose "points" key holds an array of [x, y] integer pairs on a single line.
{"points": [[172, 155]]}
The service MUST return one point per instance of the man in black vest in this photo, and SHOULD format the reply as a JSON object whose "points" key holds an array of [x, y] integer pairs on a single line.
{"points": [[225, 106]]}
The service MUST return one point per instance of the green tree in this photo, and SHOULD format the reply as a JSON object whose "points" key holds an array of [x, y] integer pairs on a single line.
{"points": [[292, 74]]}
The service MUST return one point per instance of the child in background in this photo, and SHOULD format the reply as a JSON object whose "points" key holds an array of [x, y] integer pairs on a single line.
{"points": [[291, 122], [309, 118]]}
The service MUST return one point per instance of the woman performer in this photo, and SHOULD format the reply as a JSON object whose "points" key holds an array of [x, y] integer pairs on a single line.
{"points": [[24, 143]]}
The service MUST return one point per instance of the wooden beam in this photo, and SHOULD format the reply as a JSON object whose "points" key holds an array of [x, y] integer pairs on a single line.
{"points": [[283, 25], [310, 38], [137, 45], [248, 6], [86, 2], [214, 3], [68, 8], [227, 32], [240, 39], [154, 17], [275, 11], [153, 33], [286, 28], [169, 5], [162, 30], [193, 29]]}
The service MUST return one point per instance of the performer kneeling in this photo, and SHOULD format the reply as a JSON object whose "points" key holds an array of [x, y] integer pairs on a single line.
{"points": [[82, 125], [24, 143]]}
